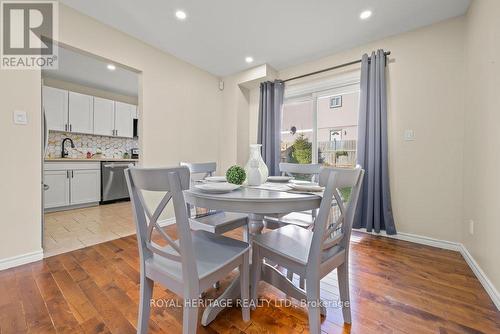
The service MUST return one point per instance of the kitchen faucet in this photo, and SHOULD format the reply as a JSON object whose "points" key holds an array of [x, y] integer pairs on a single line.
{"points": [[64, 153]]}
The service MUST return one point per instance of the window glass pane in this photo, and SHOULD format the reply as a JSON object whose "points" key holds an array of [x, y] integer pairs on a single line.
{"points": [[338, 129], [297, 132]]}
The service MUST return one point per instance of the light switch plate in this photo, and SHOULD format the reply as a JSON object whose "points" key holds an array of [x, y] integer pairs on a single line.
{"points": [[409, 135], [20, 117]]}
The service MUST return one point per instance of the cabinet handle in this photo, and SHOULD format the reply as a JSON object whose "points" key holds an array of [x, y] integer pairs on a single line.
{"points": [[70, 128], [72, 174], [67, 174], [116, 133], [66, 127]]}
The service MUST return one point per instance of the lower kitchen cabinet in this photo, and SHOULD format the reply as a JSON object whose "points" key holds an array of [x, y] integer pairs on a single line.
{"points": [[57, 195], [85, 186], [71, 184]]}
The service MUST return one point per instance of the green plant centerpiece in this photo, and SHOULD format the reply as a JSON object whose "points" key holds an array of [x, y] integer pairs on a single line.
{"points": [[236, 175]]}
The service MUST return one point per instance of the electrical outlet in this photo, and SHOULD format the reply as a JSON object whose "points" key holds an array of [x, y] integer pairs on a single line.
{"points": [[471, 227]]}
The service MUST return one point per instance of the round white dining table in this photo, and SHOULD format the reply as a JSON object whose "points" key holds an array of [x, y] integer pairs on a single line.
{"points": [[257, 203]]}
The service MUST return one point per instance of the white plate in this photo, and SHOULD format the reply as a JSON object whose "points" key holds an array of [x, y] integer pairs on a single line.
{"points": [[216, 179], [312, 187], [280, 179], [303, 182], [217, 187]]}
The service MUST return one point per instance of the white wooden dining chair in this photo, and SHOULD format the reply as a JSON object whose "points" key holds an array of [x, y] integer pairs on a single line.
{"points": [[314, 254], [189, 265], [217, 222]]}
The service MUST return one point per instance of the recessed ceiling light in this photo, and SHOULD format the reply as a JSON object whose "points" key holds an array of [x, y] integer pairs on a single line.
{"points": [[111, 67], [181, 15], [365, 14], [249, 59]]}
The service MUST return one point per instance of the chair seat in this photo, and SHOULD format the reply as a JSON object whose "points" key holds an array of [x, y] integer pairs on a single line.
{"points": [[302, 219], [211, 252], [219, 222], [292, 242]]}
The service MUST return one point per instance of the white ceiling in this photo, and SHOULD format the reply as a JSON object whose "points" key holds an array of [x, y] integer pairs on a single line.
{"points": [[92, 72], [218, 34]]}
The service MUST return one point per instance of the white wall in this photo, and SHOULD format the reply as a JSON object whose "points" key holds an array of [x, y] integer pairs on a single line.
{"points": [[180, 109], [20, 167], [482, 143]]}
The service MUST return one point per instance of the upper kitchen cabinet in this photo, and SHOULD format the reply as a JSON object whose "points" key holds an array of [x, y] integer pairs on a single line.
{"points": [[124, 119], [104, 117], [81, 113], [55, 103]]}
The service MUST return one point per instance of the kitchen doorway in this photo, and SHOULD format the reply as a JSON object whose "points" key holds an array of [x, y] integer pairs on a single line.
{"points": [[90, 135]]}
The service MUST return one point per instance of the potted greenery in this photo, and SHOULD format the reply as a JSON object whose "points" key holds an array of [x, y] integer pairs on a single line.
{"points": [[236, 175]]}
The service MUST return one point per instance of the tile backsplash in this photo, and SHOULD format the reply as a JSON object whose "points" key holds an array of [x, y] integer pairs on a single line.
{"points": [[111, 147]]}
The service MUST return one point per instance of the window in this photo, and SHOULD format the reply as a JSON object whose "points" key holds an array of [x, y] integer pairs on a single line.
{"points": [[297, 131], [312, 133], [336, 102]]}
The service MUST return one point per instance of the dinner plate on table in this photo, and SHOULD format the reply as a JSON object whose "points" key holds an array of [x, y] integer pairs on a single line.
{"points": [[306, 186], [279, 179], [216, 179], [217, 187]]}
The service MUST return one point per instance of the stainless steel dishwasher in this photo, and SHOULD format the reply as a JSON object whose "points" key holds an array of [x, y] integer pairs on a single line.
{"points": [[113, 184]]}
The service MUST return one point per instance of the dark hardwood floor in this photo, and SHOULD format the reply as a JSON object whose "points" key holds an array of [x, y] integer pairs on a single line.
{"points": [[396, 287]]}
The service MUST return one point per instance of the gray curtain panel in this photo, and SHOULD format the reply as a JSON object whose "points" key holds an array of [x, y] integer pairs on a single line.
{"points": [[374, 209], [270, 105]]}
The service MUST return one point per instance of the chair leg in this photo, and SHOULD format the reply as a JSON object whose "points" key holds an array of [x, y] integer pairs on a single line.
{"points": [[245, 287], [189, 319], [256, 271], [343, 278], [144, 304], [314, 309]]}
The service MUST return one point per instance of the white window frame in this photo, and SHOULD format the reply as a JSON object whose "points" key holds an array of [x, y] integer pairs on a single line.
{"points": [[313, 90]]}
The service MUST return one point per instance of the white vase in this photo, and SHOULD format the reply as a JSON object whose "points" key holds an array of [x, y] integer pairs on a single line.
{"points": [[255, 168]]}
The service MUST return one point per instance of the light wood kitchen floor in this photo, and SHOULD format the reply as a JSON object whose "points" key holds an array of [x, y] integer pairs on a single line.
{"points": [[66, 231]]}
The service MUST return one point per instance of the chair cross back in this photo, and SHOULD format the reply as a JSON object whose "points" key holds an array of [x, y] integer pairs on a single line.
{"points": [[157, 180], [328, 234]]}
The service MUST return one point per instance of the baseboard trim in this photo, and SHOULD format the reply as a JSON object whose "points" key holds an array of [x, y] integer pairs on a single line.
{"points": [[454, 246], [166, 222], [19, 260], [419, 239], [481, 276]]}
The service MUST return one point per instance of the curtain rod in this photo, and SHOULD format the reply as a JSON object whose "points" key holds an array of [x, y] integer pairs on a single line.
{"points": [[386, 54]]}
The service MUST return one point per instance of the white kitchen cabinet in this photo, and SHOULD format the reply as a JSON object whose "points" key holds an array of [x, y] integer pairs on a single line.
{"points": [[57, 195], [55, 103], [124, 119], [104, 117], [71, 184], [81, 113], [85, 186]]}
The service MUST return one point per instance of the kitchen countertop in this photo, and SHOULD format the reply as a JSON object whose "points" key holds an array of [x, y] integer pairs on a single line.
{"points": [[86, 160]]}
